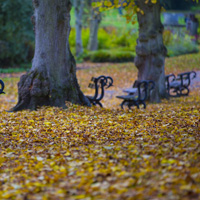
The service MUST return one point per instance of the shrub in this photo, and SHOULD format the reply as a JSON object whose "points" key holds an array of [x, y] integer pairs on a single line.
{"points": [[167, 37], [99, 56], [108, 38], [122, 56], [105, 39], [110, 56], [16, 31], [85, 37], [181, 45]]}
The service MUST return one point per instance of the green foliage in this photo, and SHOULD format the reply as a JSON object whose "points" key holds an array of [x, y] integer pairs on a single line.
{"points": [[198, 17], [180, 5], [113, 45], [178, 44], [110, 56], [16, 33], [14, 70], [99, 56], [122, 56], [85, 37], [105, 38]]}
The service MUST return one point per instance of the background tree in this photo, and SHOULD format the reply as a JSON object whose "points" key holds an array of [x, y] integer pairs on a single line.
{"points": [[150, 49], [16, 35], [179, 5], [52, 78], [79, 6], [94, 26]]}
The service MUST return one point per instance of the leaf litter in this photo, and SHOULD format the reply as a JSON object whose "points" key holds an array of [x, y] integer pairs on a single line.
{"points": [[94, 153]]}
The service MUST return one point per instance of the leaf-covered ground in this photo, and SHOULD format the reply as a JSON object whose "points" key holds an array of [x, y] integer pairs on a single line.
{"points": [[103, 154]]}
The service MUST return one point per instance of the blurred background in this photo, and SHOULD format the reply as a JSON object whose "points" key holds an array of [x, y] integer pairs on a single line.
{"points": [[116, 39]]}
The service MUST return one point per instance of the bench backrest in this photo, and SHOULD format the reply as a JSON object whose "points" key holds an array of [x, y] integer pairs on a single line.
{"points": [[144, 87], [99, 84], [184, 78]]}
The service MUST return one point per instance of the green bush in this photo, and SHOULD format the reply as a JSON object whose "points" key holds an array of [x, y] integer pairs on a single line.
{"points": [[85, 37], [109, 56], [72, 38], [108, 38], [122, 56], [105, 39], [16, 32], [179, 45], [98, 56]]}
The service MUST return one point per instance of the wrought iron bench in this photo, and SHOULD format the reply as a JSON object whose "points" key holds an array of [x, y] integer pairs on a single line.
{"points": [[138, 94], [99, 84], [179, 85], [1, 87]]}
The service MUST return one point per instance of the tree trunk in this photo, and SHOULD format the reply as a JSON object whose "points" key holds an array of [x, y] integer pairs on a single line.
{"points": [[94, 26], [79, 5], [150, 50], [52, 78]]}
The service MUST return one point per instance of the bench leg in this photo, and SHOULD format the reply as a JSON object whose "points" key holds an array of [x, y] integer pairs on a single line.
{"points": [[122, 104], [133, 103], [99, 104], [137, 104], [144, 104]]}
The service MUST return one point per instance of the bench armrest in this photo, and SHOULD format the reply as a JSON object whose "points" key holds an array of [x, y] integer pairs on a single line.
{"points": [[169, 76]]}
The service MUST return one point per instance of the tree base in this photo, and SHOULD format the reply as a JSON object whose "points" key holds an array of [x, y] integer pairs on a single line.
{"points": [[35, 90]]}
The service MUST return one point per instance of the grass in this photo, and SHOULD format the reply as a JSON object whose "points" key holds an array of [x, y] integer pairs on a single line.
{"points": [[13, 70]]}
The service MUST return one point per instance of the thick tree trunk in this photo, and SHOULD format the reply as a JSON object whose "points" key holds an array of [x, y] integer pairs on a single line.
{"points": [[150, 49], [79, 5], [52, 78], [94, 26]]}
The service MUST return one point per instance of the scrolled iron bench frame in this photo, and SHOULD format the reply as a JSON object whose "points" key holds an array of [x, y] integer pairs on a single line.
{"points": [[138, 94], [99, 84], [2, 86], [178, 86]]}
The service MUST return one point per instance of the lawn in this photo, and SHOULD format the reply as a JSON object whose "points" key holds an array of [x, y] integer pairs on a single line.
{"points": [[103, 154]]}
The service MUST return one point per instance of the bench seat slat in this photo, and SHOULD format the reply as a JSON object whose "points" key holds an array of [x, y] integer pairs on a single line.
{"points": [[127, 97], [130, 90], [175, 84]]}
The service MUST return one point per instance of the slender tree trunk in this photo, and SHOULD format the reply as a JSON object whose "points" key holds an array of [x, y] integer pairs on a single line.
{"points": [[79, 5], [150, 50], [52, 78], [94, 26]]}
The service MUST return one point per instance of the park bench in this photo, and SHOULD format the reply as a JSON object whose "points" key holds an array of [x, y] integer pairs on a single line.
{"points": [[99, 84], [1, 87], [138, 94], [179, 85]]}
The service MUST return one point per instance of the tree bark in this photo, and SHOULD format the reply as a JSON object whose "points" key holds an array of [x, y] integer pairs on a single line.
{"points": [[79, 5], [52, 78], [150, 50], [94, 26]]}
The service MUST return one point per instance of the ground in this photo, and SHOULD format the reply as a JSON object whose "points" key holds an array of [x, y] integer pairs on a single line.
{"points": [[94, 153]]}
